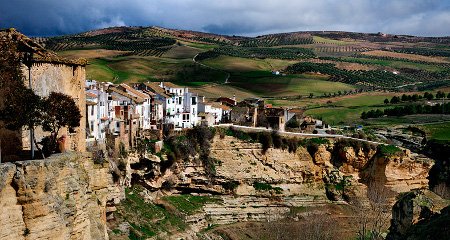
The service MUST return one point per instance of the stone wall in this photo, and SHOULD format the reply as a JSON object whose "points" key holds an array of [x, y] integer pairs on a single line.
{"points": [[67, 79], [62, 197]]}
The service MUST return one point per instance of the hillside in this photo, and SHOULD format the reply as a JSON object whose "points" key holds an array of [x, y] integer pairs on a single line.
{"points": [[318, 68]]}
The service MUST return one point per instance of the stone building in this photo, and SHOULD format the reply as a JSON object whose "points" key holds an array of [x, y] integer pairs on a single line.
{"points": [[49, 73]]}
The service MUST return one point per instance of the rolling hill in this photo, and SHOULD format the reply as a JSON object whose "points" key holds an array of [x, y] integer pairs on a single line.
{"points": [[315, 67]]}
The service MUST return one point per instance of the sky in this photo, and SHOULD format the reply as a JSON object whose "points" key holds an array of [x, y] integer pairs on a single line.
{"points": [[238, 17]]}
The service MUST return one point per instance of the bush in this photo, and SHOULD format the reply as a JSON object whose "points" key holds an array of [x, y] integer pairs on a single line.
{"points": [[230, 185], [293, 123], [388, 150], [266, 187], [266, 141]]}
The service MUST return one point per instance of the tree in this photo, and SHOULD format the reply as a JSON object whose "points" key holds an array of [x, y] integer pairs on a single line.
{"points": [[386, 101], [428, 96], [23, 109], [60, 111], [395, 100], [404, 98], [440, 94]]}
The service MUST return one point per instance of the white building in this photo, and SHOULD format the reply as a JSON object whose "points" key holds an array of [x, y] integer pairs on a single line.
{"points": [[213, 108], [182, 106], [96, 111], [143, 106]]}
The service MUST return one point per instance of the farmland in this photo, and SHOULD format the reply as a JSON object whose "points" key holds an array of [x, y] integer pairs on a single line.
{"points": [[333, 75]]}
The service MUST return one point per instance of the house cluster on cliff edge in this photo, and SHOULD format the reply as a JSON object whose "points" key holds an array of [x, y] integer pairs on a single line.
{"points": [[129, 112], [124, 112], [49, 73]]}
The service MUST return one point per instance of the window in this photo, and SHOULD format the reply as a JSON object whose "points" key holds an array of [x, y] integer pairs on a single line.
{"points": [[194, 100], [179, 100], [168, 101], [92, 110]]}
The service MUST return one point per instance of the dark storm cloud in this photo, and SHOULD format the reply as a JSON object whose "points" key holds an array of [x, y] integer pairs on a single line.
{"points": [[244, 17]]}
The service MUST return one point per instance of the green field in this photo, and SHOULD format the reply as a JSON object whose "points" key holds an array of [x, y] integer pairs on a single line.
{"points": [[279, 86], [438, 131], [181, 52], [339, 115], [396, 64], [236, 64], [347, 110], [137, 69], [318, 39]]}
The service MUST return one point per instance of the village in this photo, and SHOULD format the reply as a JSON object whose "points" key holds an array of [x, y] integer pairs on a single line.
{"points": [[122, 114], [130, 112]]}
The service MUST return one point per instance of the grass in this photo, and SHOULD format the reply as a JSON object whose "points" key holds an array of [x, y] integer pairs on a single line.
{"points": [[199, 45], [388, 150], [189, 204], [138, 69], [237, 64], [318, 39], [265, 84], [438, 131], [181, 52], [419, 120], [397, 64], [146, 219], [347, 109]]}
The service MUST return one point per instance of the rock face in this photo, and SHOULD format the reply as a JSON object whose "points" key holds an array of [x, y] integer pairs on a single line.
{"points": [[242, 163], [62, 197], [420, 215], [399, 173]]}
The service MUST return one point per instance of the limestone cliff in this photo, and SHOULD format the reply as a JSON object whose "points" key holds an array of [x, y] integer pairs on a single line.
{"points": [[304, 171], [62, 197], [420, 215]]}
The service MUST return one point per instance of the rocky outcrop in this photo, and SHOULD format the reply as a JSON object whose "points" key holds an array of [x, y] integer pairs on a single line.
{"points": [[400, 172], [241, 164], [420, 215], [62, 197]]}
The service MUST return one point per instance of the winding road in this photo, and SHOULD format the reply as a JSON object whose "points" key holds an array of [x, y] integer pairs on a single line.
{"points": [[201, 64]]}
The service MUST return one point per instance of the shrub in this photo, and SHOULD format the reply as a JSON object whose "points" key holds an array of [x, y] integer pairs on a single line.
{"points": [[388, 150], [230, 185], [266, 187], [293, 123], [266, 141]]}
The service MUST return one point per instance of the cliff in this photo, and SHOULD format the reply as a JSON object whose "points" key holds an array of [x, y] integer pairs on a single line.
{"points": [[239, 164], [62, 197], [420, 215]]}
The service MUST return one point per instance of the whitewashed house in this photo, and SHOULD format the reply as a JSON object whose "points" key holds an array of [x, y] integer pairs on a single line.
{"points": [[182, 107], [143, 107], [97, 119], [210, 108]]}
